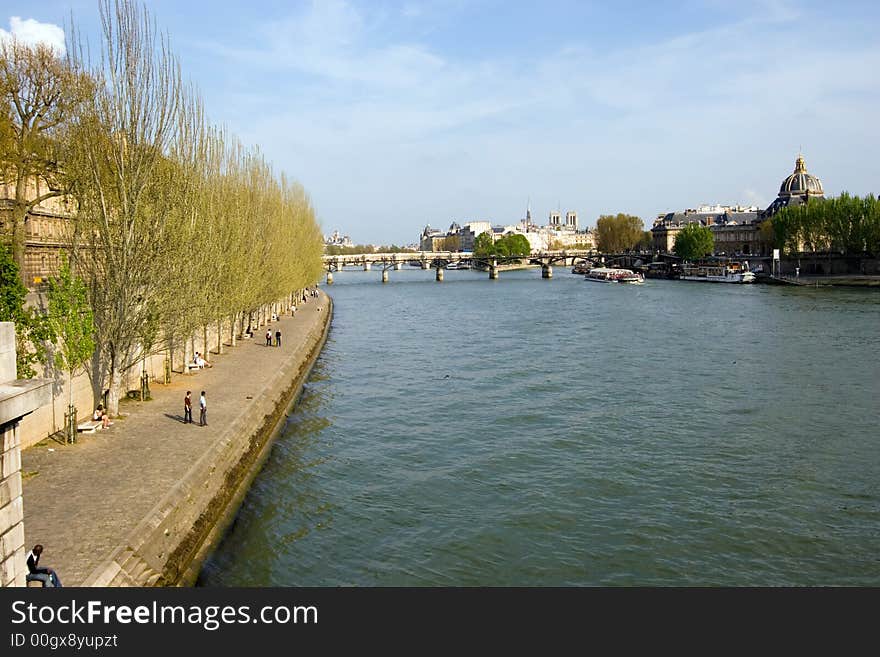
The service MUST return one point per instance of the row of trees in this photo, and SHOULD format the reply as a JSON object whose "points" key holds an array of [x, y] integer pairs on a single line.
{"points": [[178, 226], [511, 245], [846, 224]]}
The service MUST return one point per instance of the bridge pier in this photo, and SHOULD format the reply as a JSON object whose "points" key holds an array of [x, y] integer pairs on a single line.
{"points": [[439, 274], [398, 266], [384, 275], [329, 278], [546, 271], [493, 271], [425, 264], [368, 266]]}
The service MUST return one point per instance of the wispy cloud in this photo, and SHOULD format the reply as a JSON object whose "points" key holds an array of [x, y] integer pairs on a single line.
{"points": [[677, 116], [32, 32]]}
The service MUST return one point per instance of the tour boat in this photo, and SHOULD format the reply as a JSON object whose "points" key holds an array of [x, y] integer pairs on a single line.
{"points": [[609, 275], [717, 274]]}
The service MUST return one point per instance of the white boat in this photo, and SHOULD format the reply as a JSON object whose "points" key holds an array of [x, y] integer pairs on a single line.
{"points": [[717, 274], [453, 265], [614, 275]]}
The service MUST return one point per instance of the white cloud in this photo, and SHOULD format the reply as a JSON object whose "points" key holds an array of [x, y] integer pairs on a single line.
{"points": [[32, 32]]}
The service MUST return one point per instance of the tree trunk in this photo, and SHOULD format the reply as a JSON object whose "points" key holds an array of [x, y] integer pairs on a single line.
{"points": [[96, 376], [19, 216], [232, 329], [219, 336], [114, 386]]}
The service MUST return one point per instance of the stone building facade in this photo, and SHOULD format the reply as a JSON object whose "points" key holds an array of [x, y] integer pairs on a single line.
{"points": [[738, 230], [46, 229]]}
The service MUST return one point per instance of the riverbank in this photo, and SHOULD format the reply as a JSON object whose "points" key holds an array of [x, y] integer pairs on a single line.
{"points": [[142, 502]]}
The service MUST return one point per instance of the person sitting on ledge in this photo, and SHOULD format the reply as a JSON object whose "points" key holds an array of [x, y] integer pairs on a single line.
{"points": [[47, 576], [101, 416], [201, 362]]}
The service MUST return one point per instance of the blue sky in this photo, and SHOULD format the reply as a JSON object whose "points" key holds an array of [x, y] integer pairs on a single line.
{"points": [[398, 114]]}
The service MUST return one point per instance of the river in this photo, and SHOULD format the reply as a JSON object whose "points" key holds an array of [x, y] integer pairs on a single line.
{"points": [[561, 432]]}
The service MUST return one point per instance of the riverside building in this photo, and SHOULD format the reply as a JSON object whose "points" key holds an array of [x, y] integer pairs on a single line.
{"points": [[738, 230], [554, 235]]}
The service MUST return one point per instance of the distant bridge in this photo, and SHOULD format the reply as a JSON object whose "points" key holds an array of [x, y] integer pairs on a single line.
{"points": [[438, 260]]}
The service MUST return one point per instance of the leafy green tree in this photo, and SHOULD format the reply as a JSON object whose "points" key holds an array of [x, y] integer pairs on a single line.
{"points": [[620, 232], [484, 244], [32, 331], [846, 224], [517, 245], [70, 318], [694, 241]]}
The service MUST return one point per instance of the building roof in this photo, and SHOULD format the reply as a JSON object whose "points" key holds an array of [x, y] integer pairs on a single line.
{"points": [[800, 182]]}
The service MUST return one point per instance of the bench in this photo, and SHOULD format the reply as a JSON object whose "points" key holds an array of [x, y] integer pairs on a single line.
{"points": [[89, 427], [192, 367]]}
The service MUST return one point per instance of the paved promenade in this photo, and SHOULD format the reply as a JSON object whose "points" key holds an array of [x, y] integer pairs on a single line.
{"points": [[82, 500]]}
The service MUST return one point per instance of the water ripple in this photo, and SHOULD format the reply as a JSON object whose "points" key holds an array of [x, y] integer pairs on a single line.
{"points": [[529, 432]]}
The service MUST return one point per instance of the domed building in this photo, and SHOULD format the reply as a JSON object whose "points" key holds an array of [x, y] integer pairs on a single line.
{"points": [[737, 231], [798, 188]]}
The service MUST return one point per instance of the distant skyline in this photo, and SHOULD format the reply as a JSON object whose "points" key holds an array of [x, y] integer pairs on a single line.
{"points": [[394, 115]]}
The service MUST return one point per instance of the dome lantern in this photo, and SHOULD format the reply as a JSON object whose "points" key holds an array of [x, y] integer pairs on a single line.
{"points": [[801, 183]]}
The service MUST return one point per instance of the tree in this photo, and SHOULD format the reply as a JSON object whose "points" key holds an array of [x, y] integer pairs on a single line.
{"points": [[620, 232], [40, 94], [511, 245], [72, 324], [517, 245], [484, 244], [846, 224], [31, 329], [119, 168], [451, 243], [694, 241]]}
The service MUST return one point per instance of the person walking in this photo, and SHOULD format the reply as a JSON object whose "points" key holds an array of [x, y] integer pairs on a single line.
{"points": [[278, 338], [203, 410], [188, 408], [268, 338]]}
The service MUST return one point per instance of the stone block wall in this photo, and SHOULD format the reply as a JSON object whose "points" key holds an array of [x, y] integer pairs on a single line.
{"points": [[12, 552], [17, 399]]}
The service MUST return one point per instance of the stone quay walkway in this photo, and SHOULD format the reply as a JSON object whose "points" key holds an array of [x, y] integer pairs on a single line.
{"points": [[81, 501]]}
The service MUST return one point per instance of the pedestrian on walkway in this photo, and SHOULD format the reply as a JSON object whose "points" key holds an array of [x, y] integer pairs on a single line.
{"points": [[203, 410], [278, 338], [188, 408], [268, 338]]}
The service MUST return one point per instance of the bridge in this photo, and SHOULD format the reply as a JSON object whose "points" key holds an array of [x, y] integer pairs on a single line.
{"points": [[438, 260]]}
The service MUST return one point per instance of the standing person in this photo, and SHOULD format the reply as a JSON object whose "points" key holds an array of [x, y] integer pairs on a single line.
{"points": [[47, 576], [188, 408], [278, 338], [203, 410], [268, 338]]}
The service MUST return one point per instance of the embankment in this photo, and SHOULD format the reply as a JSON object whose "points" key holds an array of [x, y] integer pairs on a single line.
{"points": [[168, 547]]}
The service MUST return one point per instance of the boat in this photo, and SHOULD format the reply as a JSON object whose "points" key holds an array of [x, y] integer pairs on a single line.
{"points": [[614, 275], [717, 274], [453, 265], [581, 268]]}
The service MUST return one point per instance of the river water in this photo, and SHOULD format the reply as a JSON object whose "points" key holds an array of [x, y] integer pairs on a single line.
{"points": [[533, 432]]}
